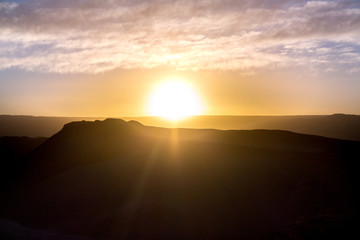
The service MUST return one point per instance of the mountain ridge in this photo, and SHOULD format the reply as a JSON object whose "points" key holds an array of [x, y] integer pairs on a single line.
{"points": [[342, 126], [112, 131], [114, 179]]}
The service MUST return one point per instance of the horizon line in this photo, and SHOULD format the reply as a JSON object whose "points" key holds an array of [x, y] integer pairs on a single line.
{"points": [[210, 115]]}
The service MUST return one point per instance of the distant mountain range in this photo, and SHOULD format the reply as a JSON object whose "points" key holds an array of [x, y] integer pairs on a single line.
{"points": [[29, 126], [114, 179], [340, 126]]}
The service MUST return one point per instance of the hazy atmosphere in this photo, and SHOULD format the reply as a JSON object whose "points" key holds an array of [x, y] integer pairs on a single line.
{"points": [[103, 58], [179, 119]]}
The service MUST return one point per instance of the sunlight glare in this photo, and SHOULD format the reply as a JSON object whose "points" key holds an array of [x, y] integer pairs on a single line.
{"points": [[174, 100]]}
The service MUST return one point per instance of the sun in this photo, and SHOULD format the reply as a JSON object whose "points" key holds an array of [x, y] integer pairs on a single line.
{"points": [[174, 100]]}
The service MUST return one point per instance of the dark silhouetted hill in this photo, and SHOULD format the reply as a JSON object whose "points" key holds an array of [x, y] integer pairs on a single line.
{"points": [[121, 180], [12, 149], [340, 126]]}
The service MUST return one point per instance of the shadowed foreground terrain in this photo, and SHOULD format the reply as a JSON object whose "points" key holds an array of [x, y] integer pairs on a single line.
{"points": [[121, 180], [12, 150]]}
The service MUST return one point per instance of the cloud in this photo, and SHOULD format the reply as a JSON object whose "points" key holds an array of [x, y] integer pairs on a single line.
{"points": [[94, 36], [5, 7], [354, 70]]}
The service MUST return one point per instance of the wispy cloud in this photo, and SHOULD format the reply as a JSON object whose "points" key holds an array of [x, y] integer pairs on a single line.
{"points": [[93, 36]]}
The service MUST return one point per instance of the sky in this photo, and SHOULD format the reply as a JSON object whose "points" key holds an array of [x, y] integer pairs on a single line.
{"points": [[102, 58]]}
